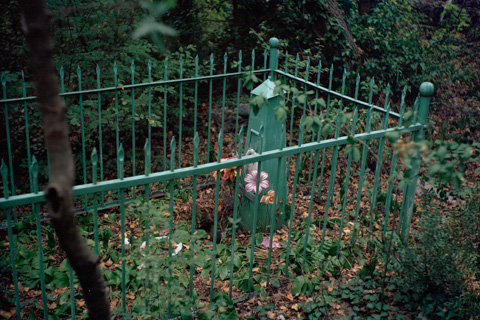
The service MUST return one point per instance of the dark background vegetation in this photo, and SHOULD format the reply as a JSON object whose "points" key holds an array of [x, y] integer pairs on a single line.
{"points": [[401, 43]]}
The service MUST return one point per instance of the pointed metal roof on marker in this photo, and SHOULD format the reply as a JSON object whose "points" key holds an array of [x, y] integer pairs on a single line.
{"points": [[266, 89]]}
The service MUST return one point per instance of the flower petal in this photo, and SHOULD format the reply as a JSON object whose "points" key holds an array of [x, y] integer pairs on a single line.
{"points": [[250, 187], [263, 185], [263, 175], [251, 177], [266, 243]]}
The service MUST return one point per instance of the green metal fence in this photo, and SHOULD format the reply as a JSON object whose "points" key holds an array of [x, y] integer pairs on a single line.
{"points": [[161, 140]]}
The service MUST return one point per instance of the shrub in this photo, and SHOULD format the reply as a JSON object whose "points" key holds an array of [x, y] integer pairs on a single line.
{"points": [[441, 265]]}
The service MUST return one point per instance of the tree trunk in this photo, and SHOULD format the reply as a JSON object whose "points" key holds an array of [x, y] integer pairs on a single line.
{"points": [[59, 191]]}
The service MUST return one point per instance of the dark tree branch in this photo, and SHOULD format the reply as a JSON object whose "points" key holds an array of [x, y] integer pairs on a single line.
{"points": [[59, 192]]}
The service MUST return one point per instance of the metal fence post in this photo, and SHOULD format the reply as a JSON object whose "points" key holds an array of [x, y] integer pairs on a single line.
{"points": [[274, 43], [426, 93]]}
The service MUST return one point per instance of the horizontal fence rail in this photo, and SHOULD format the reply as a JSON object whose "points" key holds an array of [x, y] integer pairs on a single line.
{"points": [[165, 173], [139, 180]]}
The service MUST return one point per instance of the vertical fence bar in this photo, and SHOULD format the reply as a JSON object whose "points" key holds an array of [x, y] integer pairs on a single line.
{"points": [[307, 69], [170, 228], [416, 107], [275, 205], [72, 292], [312, 196], [239, 87], [100, 133], [255, 210], [148, 162], [393, 168], [165, 77], [115, 83], [181, 114], [265, 63], [11, 239], [132, 69], [320, 133], [7, 135], [292, 112], [196, 142], [402, 221], [347, 180], [73, 310], [402, 210], [378, 169], [426, 93], [247, 143], [210, 108], [149, 133], [235, 211], [364, 161], [82, 123], [333, 170], [195, 106], [304, 113], [286, 61], [27, 135], [94, 160], [121, 196], [215, 218], [225, 57], [313, 133], [330, 79], [292, 211], [36, 210], [403, 216]]}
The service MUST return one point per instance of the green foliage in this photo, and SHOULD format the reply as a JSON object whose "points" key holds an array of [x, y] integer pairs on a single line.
{"points": [[150, 26], [221, 308], [442, 263], [454, 18], [400, 48], [302, 284], [362, 298], [447, 161], [262, 312]]}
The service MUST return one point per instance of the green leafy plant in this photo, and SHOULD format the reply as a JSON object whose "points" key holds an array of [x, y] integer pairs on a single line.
{"points": [[441, 260]]}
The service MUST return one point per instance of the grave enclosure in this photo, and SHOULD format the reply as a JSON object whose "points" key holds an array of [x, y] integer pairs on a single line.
{"points": [[158, 141]]}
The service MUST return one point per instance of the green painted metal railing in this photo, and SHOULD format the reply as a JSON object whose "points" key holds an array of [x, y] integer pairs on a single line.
{"points": [[170, 109]]}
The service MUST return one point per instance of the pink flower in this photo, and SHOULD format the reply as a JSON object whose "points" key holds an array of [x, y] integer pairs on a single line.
{"points": [[266, 243], [251, 180]]}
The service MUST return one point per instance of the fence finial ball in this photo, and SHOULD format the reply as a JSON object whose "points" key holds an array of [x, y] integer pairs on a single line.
{"points": [[273, 42], [426, 89]]}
